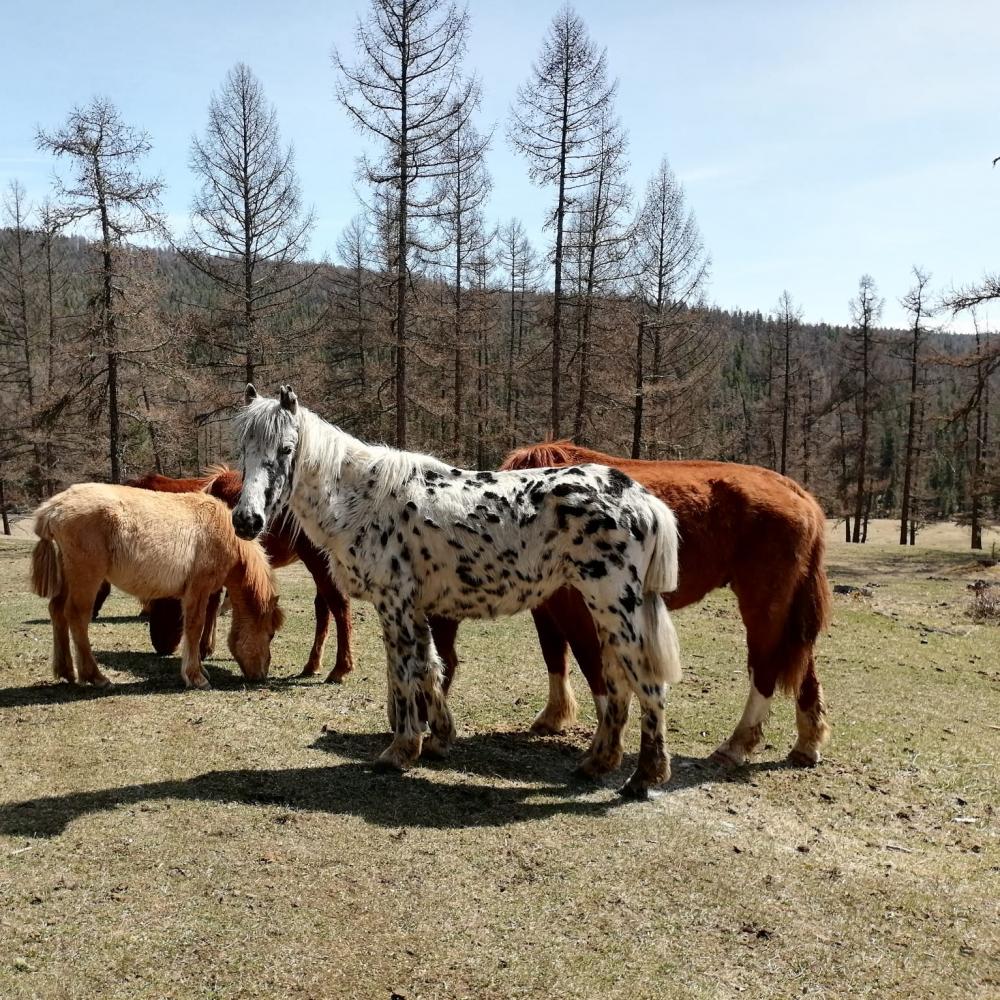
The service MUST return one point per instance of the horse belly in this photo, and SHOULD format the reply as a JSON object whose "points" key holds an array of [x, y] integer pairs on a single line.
{"points": [[149, 581]]}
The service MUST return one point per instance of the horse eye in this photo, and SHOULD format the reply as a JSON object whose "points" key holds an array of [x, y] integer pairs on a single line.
{"points": [[284, 451]]}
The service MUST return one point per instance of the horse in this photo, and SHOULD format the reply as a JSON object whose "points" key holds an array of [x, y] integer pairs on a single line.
{"points": [[284, 544], [150, 545], [741, 525], [417, 537]]}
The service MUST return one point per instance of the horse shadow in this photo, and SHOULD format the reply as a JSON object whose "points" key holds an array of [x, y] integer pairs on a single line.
{"points": [[538, 785], [152, 675]]}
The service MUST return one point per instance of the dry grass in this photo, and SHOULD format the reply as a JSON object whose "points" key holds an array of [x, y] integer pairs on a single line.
{"points": [[156, 843]]}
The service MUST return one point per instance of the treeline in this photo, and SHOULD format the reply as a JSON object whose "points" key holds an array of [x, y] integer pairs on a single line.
{"points": [[123, 346]]}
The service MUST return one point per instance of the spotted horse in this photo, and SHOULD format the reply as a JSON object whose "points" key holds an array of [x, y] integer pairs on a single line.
{"points": [[419, 538]]}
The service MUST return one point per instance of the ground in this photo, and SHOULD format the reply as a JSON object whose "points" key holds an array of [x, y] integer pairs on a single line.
{"points": [[159, 843]]}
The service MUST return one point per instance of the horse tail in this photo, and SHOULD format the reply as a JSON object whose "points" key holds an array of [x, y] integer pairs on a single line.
{"points": [[808, 612], [46, 563], [660, 638], [661, 573]]}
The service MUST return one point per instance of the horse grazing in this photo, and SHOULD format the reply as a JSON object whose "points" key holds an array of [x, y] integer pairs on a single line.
{"points": [[741, 525], [150, 545], [284, 544], [418, 538]]}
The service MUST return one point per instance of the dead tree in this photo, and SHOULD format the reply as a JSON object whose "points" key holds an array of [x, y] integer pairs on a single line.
{"points": [[866, 309], [406, 91], [787, 317], [916, 305], [671, 268], [249, 229], [557, 118], [109, 192]]}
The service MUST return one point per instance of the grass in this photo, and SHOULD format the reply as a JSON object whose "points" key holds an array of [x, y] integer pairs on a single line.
{"points": [[156, 843]]}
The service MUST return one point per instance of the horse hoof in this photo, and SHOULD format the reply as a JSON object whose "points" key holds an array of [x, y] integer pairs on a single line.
{"points": [[309, 671], [727, 757], [638, 791], [389, 762], [200, 682], [335, 677], [542, 727], [593, 767], [99, 681], [434, 748], [803, 758]]}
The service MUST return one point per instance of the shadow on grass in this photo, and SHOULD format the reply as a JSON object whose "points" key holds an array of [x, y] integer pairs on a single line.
{"points": [[155, 675], [542, 768]]}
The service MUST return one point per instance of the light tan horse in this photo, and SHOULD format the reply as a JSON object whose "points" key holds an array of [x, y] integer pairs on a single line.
{"points": [[150, 545]]}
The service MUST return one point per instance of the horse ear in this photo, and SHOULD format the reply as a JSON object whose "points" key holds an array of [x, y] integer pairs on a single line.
{"points": [[289, 401], [250, 394]]}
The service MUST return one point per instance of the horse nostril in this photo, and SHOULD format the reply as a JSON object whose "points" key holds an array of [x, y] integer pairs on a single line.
{"points": [[257, 523]]}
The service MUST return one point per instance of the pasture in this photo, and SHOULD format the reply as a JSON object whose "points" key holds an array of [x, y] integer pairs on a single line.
{"points": [[156, 842]]}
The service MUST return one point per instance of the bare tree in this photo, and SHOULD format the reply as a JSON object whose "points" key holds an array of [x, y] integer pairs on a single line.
{"points": [[866, 309], [556, 122], [108, 191], [249, 229], [920, 311], [407, 92], [787, 316], [672, 269], [460, 194]]}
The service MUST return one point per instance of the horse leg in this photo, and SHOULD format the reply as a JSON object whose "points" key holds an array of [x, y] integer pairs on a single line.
{"points": [[606, 751], [194, 606], [207, 646], [62, 657], [444, 631], [322, 612], [102, 595], [749, 731], [433, 703], [559, 712], [810, 719], [404, 674], [79, 607]]}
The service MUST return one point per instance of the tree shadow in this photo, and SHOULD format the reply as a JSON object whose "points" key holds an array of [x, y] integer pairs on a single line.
{"points": [[542, 770]]}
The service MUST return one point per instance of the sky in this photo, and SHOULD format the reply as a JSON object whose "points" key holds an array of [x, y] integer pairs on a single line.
{"points": [[817, 141]]}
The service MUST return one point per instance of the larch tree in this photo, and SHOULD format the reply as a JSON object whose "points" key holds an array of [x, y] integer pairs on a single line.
{"points": [[249, 229], [109, 193], [600, 240], [20, 364], [556, 120], [671, 269], [787, 317], [460, 194], [866, 308], [407, 93], [920, 311]]}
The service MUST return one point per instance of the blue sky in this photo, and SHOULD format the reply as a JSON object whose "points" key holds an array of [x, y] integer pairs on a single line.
{"points": [[816, 140]]}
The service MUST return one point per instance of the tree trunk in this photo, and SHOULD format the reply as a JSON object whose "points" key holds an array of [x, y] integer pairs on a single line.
{"points": [[3, 508], [637, 411]]}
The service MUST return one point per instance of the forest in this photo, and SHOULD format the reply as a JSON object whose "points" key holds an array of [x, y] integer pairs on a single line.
{"points": [[125, 344]]}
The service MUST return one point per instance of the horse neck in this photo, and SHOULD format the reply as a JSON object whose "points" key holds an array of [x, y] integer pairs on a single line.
{"points": [[327, 450]]}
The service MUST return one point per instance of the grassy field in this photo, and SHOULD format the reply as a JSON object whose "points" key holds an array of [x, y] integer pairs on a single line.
{"points": [[157, 843]]}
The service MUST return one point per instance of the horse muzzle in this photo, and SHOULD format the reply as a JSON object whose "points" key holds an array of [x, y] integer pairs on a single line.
{"points": [[247, 524]]}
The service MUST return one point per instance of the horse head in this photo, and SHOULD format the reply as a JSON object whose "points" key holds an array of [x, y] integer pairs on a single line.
{"points": [[268, 434]]}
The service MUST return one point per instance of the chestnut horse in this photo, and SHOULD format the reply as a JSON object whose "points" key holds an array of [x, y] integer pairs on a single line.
{"points": [[741, 525], [283, 544], [150, 546]]}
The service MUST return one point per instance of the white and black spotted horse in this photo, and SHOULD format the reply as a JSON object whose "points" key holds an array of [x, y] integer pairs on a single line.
{"points": [[418, 538]]}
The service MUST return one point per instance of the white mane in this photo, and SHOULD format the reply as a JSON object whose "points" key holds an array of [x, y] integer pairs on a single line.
{"points": [[323, 446]]}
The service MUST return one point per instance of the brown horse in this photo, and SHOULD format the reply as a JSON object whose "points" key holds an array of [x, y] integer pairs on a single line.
{"points": [[152, 546], [740, 525], [283, 544]]}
